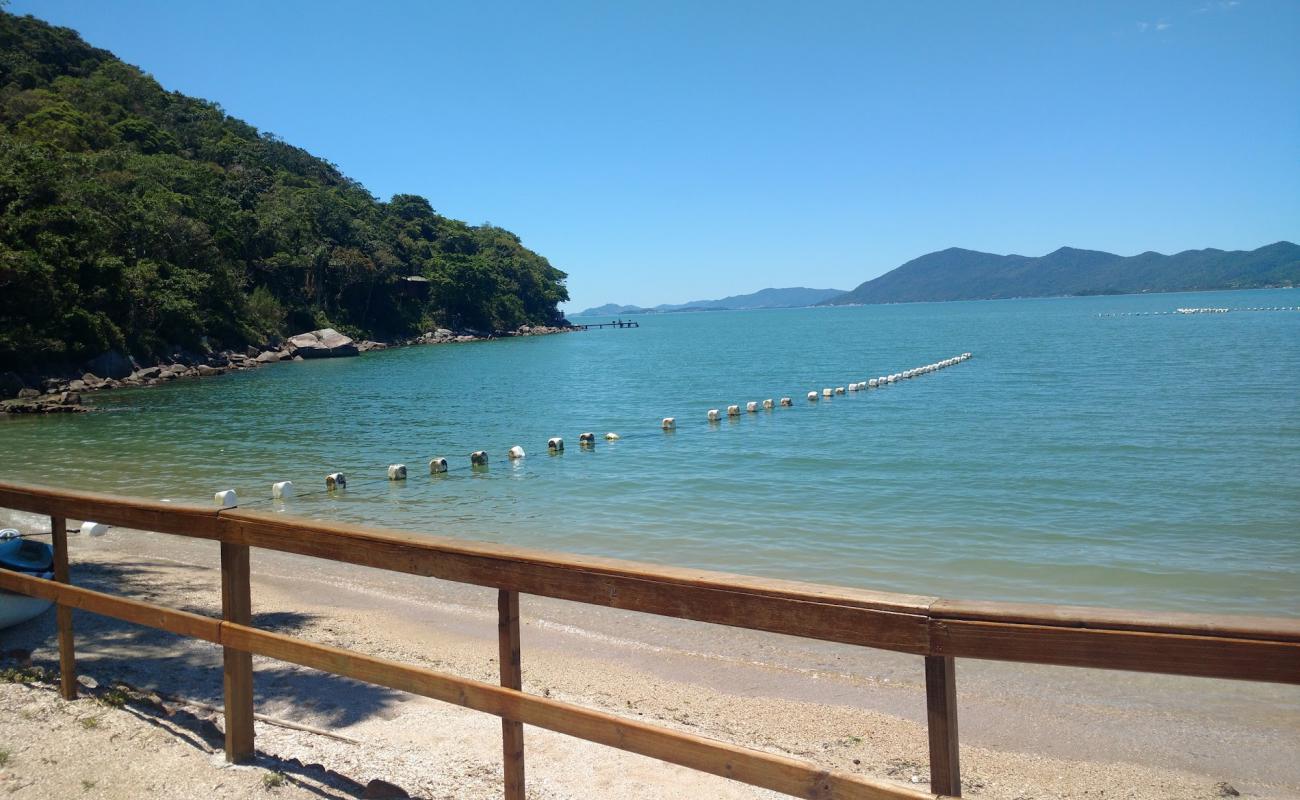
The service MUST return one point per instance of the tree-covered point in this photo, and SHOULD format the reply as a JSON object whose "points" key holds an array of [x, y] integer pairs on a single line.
{"points": [[137, 219]]}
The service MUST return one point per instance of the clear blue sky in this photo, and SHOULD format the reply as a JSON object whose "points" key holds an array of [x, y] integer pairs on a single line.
{"points": [[664, 152]]}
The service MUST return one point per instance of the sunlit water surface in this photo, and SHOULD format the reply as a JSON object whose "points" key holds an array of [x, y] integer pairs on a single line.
{"points": [[1149, 461]]}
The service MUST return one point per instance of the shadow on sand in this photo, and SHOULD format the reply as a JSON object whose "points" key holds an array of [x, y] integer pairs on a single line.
{"points": [[142, 666]]}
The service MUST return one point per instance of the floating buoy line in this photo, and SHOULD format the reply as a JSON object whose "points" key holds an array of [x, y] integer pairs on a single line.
{"points": [[1185, 311], [479, 460]]}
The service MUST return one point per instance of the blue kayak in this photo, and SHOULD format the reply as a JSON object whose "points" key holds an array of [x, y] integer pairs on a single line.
{"points": [[31, 558], [25, 555]]}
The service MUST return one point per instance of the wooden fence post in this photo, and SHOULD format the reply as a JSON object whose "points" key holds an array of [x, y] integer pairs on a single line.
{"points": [[941, 719], [63, 614], [237, 675], [512, 732]]}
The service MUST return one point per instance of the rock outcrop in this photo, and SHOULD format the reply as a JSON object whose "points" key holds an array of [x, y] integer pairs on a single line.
{"points": [[63, 394], [324, 343]]}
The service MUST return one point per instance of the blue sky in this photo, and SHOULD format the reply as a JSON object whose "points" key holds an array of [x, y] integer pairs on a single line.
{"points": [[665, 152]]}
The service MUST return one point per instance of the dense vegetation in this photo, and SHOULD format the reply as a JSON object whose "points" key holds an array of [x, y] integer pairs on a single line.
{"points": [[139, 220], [957, 274]]}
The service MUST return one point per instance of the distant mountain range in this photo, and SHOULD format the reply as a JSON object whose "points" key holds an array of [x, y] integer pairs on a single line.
{"points": [[957, 274], [793, 297]]}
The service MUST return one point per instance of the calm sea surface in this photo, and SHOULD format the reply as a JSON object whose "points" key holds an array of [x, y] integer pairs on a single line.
{"points": [[1148, 461]]}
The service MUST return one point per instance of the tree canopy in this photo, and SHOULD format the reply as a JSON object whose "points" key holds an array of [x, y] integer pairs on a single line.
{"points": [[137, 219]]}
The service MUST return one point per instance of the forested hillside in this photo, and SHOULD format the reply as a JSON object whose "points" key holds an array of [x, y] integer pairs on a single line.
{"points": [[957, 274], [137, 219]]}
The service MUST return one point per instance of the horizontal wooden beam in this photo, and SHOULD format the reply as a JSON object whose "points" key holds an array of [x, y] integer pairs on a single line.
{"points": [[1139, 651], [754, 767], [184, 623], [1233, 626], [892, 622], [1220, 646], [767, 770], [126, 512]]}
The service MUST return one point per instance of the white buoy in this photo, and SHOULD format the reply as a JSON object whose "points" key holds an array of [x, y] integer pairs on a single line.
{"points": [[478, 458], [96, 529], [714, 415], [812, 396], [785, 401], [752, 406], [282, 490], [437, 465], [827, 392], [586, 438], [336, 480], [555, 444], [515, 452], [871, 384], [853, 387], [612, 437], [397, 472], [839, 390], [669, 423], [768, 403], [733, 411], [226, 499]]}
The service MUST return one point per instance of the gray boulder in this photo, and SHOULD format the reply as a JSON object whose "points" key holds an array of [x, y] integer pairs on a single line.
{"points": [[269, 357], [324, 343]]}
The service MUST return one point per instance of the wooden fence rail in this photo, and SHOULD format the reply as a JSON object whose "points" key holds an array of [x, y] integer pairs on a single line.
{"points": [[1249, 648]]}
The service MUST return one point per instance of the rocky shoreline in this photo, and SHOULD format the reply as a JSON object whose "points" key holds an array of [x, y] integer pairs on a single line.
{"points": [[63, 394]]}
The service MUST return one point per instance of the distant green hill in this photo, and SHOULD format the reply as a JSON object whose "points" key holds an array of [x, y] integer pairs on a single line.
{"points": [[957, 274], [139, 220], [792, 297]]}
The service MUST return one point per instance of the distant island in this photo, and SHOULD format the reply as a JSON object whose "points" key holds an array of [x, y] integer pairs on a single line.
{"points": [[957, 274], [793, 297]]}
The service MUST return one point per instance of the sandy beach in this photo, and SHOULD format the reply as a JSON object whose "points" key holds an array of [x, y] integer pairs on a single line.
{"points": [[1027, 731]]}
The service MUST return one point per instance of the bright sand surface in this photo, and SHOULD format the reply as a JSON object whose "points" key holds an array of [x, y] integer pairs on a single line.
{"points": [[1027, 731]]}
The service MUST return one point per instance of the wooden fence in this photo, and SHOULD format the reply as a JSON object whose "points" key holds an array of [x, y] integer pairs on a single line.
{"points": [[937, 630]]}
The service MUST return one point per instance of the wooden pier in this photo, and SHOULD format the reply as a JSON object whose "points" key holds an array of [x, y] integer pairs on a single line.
{"points": [[618, 323]]}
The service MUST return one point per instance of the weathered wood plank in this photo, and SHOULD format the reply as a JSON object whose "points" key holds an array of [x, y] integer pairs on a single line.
{"points": [[126, 512], [1139, 651], [63, 614], [775, 606], [183, 623], [757, 768], [776, 772], [1208, 645], [1233, 626], [237, 666], [941, 721], [512, 732]]}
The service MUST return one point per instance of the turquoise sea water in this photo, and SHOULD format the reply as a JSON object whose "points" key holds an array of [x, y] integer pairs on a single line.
{"points": [[1147, 461]]}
